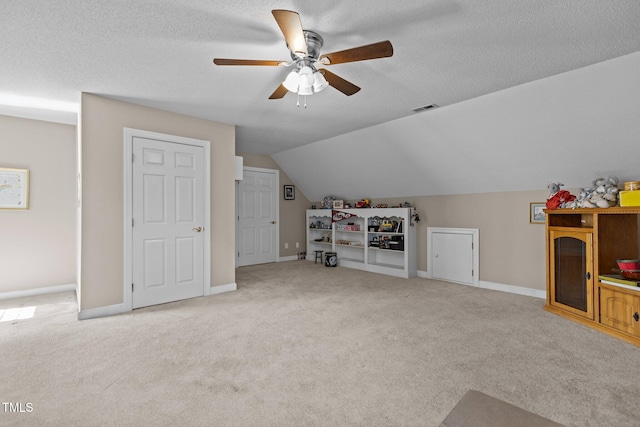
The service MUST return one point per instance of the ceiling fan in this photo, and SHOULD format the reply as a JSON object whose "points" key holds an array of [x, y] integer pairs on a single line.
{"points": [[304, 45]]}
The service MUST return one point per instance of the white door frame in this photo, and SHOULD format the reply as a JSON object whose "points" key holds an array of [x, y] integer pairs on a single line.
{"points": [[277, 206], [129, 134]]}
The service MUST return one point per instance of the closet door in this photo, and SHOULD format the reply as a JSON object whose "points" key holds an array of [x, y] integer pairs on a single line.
{"points": [[452, 256]]}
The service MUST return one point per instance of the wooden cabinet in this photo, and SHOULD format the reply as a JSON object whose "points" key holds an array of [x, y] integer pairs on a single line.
{"points": [[620, 309], [380, 240], [583, 245]]}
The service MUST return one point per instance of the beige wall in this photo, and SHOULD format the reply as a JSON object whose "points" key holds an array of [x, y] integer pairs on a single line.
{"points": [[292, 219], [102, 122], [512, 251], [37, 246]]}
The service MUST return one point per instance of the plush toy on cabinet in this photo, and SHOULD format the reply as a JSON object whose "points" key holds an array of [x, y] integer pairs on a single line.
{"points": [[558, 198], [602, 194], [606, 192]]}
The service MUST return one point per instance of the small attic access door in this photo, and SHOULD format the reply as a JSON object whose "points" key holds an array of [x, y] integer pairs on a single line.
{"points": [[453, 254]]}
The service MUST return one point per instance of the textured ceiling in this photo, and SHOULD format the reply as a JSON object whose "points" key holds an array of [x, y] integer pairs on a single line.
{"points": [[159, 53]]}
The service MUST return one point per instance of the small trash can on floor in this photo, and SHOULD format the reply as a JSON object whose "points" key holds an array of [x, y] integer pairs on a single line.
{"points": [[331, 259]]}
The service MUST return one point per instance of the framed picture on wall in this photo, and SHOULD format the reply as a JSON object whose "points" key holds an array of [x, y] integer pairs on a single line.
{"points": [[536, 213], [338, 204], [14, 189], [289, 192]]}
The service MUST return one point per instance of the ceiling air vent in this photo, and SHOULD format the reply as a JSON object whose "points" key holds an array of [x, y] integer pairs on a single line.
{"points": [[425, 108]]}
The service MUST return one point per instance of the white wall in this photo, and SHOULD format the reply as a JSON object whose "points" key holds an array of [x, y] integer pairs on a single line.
{"points": [[571, 128]]}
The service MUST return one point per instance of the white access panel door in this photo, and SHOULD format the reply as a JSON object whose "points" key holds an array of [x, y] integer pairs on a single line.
{"points": [[257, 215], [454, 255], [168, 222]]}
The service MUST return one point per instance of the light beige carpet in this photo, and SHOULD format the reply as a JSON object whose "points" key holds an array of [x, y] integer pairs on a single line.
{"points": [[300, 344]]}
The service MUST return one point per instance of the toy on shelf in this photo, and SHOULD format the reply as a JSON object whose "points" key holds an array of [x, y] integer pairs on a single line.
{"points": [[558, 198], [364, 203], [602, 194], [327, 202]]}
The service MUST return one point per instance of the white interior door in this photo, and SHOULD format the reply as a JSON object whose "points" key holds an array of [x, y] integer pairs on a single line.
{"points": [[168, 221], [453, 255], [257, 217]]}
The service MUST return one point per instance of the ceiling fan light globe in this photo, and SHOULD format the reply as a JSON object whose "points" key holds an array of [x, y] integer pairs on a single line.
{"points": [[319, 82], [306, 76], [306, 80], [305, 90], [291, 82]]}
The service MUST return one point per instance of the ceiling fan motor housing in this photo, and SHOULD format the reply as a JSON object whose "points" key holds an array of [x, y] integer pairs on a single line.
{"points": [[314, 43]]}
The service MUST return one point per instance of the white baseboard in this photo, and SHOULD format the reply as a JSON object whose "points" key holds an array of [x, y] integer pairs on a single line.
{"points": [[223, 288], [109, 310], [537, 293], [288, 258], [37, 291]]}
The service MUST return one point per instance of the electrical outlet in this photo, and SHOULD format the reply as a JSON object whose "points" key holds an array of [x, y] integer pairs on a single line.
{"points": [[286, 246]]}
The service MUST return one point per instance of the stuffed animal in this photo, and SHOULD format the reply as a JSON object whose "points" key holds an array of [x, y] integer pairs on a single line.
{"points": [[605, 192], [602, 194], [584, 199], [612, 195], [558, 198]]}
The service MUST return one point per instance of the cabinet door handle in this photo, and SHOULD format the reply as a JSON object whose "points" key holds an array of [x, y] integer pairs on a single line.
{"points": [[636, 316], [588, 276]]}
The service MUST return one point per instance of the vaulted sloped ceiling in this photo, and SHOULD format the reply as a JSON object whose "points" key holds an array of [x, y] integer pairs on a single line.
{"points": [[572, 128]]}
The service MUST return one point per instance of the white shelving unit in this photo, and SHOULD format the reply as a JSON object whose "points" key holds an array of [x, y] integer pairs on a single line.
{"points": [[319, 232], [349, 241], [380, 240]]}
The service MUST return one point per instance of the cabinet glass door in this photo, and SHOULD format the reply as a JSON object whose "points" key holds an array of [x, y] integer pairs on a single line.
{"points": [[571, 272]]}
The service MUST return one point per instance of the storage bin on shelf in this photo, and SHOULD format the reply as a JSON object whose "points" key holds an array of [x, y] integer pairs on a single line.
{"points": [[630, 198]]}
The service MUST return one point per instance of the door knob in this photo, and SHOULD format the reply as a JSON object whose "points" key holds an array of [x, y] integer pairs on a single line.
{"points": [[273, 222], [197, 229]]}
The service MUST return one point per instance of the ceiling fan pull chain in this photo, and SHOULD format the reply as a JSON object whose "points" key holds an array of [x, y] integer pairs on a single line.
{"points": [[305, 101], [298, 103]]}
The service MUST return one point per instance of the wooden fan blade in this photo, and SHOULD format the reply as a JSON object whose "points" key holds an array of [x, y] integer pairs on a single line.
{"points": [[339, 83], [280, 92], [371, 51], [291, 27], [225, 61]]}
